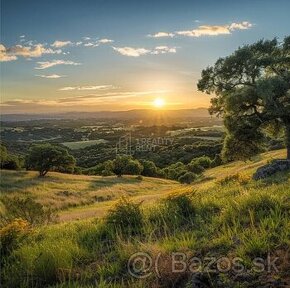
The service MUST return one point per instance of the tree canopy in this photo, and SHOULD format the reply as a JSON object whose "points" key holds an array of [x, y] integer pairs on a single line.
{"points": [[251, 91], [126, 165], [46, 157]]}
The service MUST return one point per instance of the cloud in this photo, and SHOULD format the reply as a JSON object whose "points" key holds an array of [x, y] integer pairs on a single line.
{"points": [[240, 26], [109, 96], [163, 50], [22, 38], [105, 41], [98, 42], [131, 52], [59, 44], [52, 76], [48, 64], [161, 34], [90, 44], [82, 88], [89, 102], [4, 57], [37, 50], [205, 30], [136, 52], [215, 30]]}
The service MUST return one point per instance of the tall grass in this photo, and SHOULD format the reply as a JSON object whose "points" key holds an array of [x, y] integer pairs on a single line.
{"points": [[231, 218]]}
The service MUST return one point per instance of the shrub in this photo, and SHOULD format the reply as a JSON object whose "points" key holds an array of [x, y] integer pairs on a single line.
{"points": [[29, 210], [187, 178], [203, 161], [149, 168], [11, 234], [174, 213], [195, 168], [11, 163], [126, 165], [125, 218], [238, 178], [198, 165], [8, 161], [217, 161], [174, 171]]}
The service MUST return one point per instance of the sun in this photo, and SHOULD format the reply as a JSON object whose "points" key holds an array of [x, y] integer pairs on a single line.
{"points": [[158, 103]]}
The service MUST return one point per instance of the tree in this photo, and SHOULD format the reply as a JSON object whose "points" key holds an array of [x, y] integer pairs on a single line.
{"points": [[187, 178], [8, 161], [252, 91], [126, 165], [46, 157], [203, 161], [149, 168]]}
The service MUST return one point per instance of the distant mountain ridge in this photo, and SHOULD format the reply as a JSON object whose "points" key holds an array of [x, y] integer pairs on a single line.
{"points": [[141, 114]]}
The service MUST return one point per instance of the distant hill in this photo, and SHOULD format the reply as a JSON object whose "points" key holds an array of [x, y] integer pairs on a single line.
{"points": [[137, 114]]}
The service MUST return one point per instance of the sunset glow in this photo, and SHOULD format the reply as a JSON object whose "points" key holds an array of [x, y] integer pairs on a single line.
{"points": [[159, 103]]}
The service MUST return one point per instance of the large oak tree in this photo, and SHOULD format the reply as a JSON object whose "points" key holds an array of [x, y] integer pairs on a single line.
{"points": [[251, 91], [47, 157]]}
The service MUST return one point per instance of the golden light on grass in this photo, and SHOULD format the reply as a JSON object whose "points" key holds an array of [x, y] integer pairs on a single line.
{"points": [[159, 103]]}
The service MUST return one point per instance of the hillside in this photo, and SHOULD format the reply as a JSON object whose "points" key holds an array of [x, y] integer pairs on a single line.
{"points": [[226, 217], [80, 196]]}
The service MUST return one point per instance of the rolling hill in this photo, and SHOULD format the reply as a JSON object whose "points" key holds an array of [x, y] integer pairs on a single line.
{"points": [[226, 216]]}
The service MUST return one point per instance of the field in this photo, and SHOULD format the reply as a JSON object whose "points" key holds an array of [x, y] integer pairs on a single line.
{"points": [[82, 144], [226, 214], [77, 196]]}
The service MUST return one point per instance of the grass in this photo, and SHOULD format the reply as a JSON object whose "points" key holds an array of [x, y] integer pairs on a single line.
{"points": [[223, 216], [78, 196]]}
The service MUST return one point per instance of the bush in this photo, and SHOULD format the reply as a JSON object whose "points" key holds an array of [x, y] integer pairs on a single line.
{"points": [[126, 165], [8, 161], [11, 234], [197, 165], [195, 168], [174, 171], [203, 161], [125, 218], [29, 210], [173, 214], [217, 161], [11, 163], [237, 178], [187, 178], [149, 168]]}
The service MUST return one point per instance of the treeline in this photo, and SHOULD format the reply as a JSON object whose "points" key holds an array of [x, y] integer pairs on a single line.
{"points": [[47, 157], [127, 165]]}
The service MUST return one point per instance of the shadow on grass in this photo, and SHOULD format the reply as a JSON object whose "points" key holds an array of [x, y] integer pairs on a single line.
{"points": [[16, 181], [111, 181]]}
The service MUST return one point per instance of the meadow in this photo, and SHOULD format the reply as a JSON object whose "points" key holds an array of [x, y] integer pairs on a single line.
{"points": [[224, 214], [82, 144]]}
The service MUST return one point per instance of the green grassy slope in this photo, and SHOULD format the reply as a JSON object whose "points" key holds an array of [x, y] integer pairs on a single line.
{"points": [[225, 215], [79, 196]]}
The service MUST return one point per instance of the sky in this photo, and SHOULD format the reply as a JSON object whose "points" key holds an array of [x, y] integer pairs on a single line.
{"points": [[95, 55]]}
